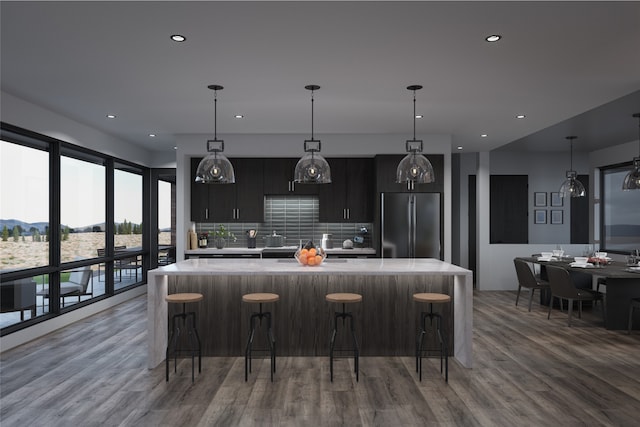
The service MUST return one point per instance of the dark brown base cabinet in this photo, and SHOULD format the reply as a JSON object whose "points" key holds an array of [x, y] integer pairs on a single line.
{"points": [[239, 202], [350, 196]]}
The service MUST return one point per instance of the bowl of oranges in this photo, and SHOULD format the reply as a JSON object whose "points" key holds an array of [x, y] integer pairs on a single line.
{"points": [[310, 255]]}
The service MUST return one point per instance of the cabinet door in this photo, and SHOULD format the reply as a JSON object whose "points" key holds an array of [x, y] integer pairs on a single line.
{"points": [[349, 197], [278, 178], [359, 197], [332, 197], [222, 202], [199, 195], [249, 190]]}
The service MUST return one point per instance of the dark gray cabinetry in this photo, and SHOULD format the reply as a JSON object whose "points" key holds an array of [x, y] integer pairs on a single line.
{"points": [[278, 178], [349, 197], [241, 202]]}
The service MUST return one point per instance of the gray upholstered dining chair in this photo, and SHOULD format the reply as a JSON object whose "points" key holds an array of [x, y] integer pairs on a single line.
{"points": [[562, 287], [526, 279]]}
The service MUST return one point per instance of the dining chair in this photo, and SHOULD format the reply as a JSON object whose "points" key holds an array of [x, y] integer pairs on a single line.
{"points": [[562, 287], [527, 279]]}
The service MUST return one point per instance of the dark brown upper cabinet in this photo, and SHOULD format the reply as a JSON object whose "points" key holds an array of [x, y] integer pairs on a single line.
{"points": [[350, 196]]}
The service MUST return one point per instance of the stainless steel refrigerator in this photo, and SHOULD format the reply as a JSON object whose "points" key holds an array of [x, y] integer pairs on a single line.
{"points": [[410, 225]]}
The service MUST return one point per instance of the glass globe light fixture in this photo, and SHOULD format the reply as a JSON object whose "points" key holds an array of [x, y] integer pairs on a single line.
{"points": [[215, 168], [312, 168], [571, 187], [414, 167], [632, 180]]}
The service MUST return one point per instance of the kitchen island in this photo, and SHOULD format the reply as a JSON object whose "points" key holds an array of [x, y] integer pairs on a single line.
{"points": [[386, 320]]}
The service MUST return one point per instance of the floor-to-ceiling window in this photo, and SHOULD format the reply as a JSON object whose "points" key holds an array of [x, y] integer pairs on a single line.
{"points": [[72, 227], [620, 212]]}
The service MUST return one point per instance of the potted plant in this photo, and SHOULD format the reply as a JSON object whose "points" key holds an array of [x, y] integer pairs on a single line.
{"points": [[220, 236]]}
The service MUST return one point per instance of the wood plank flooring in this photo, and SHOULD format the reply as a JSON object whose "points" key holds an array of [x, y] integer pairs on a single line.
{"points": [[529, 371]]}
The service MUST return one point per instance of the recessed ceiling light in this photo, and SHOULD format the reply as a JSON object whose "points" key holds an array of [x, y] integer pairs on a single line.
{"points": [[175, 148], [152, 135], [418, 116], [459, 147], [239, 116], [520, 116], [484, 135], [111, 116], [178, 38], [493, 38]]}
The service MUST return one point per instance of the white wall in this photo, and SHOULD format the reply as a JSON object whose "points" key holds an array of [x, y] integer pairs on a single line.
{"points": [[291, 145]]}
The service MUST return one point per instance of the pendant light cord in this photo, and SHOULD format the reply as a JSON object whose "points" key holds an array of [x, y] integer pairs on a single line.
{"points": [[215, 115], [414, 115], [571, 138], [312, 114]]}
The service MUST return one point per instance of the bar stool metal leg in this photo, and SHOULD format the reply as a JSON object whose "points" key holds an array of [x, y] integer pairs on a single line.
{"points": [[270, 339]]}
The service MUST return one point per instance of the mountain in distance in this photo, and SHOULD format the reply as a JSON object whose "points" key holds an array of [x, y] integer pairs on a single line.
{"points": [[41, 226]]}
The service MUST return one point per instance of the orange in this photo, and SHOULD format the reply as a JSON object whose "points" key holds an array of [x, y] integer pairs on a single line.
{"points": [[311, 260], [303, 252], [318, 259], [303, 260], [313, 252]]}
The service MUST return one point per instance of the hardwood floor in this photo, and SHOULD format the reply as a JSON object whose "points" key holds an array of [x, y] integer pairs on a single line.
{"points": [[529, 371]]}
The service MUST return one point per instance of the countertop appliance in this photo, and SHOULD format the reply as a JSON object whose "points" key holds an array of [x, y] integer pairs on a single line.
{"points": [[410, 225]]}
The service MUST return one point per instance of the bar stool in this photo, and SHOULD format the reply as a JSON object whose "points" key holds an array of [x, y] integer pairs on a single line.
{"points": [[192, 331], [344, 299], [635, 303], [432, 298], [260, 298]]}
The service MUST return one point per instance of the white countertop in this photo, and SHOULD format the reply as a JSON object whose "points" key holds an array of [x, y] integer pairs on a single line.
{"points": [[271, 267], [259, 251]]}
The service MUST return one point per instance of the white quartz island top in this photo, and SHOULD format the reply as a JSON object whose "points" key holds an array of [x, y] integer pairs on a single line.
{"points": [[368, 267], [375, 268]]}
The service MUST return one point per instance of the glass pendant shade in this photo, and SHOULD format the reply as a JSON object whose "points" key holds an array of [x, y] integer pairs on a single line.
{"points": [[312, 168], [215, 168], [571, 187], [632, 180], [415, 167]]}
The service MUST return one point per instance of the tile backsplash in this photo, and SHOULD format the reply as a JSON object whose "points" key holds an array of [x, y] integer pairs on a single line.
{"points": [[294, 217]]}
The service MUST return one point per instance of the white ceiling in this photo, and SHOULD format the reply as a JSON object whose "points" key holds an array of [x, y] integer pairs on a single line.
{"points": [[556, 61]]}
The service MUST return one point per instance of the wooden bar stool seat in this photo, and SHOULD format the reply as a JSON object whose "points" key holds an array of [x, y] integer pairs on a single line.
{"points": [[344, 299], [192, 331], [260, 298], [432, 298]]}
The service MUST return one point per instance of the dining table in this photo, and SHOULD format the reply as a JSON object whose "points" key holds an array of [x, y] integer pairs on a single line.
{"points": [[622, 283]]}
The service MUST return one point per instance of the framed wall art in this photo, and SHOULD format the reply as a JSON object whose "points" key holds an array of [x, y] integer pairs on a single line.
{"points": [[540, 216], [556, 216], [556, 200], [540, 199]]}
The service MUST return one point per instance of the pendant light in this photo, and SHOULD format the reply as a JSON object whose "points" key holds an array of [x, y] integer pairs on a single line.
{"points": [[215, 168], [571, 187], [312, 168], [414, 167], [632, 180]]}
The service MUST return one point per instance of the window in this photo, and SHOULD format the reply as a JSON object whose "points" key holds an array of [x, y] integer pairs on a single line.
{"points": [[82, 207], [620, 231], [57, 203], [24, 206]]}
